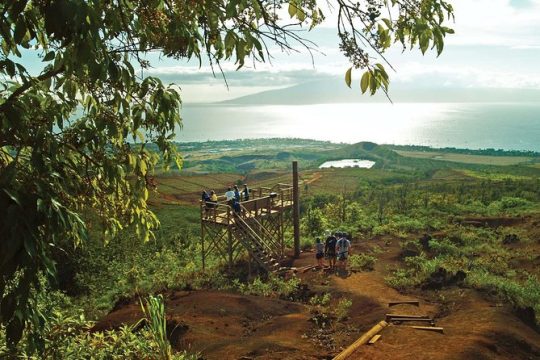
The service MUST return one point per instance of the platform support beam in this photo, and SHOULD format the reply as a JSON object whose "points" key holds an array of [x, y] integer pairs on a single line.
{"points": [[296, 210]]}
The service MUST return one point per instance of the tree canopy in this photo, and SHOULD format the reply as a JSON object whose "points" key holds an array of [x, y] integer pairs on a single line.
{"points": [[73, 141]]}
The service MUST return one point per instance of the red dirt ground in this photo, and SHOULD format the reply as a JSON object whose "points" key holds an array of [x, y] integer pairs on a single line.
{"points": [[223, 325]]}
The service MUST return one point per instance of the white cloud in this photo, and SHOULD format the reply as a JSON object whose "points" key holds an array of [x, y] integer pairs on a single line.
{"points": [[495, 22], [486, 22], [464, 76]]}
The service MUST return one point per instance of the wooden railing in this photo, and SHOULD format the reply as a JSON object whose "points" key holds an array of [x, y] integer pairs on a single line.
{"points": [[263, 200]]}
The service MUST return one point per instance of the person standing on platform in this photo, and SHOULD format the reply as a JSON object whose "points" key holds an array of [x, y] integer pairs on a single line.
{"points": [[236, 193], [230, 196], [245, 193], [205, 198]]}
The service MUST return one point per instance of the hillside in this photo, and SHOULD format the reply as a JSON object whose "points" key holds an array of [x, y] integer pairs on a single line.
{"points": [[335, 91], [458, 231]]}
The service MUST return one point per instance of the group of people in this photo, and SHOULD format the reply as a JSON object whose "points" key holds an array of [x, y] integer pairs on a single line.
{"points": [[336, 247], [233, 195]]}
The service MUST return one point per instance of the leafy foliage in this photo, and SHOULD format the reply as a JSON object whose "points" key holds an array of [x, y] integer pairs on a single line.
{"points": [[66, 335], [362, 262], [342, 309], [154, 311]]}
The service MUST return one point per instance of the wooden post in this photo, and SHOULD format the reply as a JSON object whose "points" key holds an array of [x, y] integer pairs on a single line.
{"points": [[296, 210], [345, 354], [202, 245], [281, 233], [229, 238]]}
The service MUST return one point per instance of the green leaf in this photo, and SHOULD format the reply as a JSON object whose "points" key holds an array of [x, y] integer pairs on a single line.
{"points": [[300, 14], [364, 82], [388, 23], [14, 196], [292, 9], [20, 30], [373, 84], [49, 56], [348, 77], [424, 43]]}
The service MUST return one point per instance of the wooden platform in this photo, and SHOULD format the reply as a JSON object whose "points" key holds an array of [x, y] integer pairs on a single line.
{"points": [[258, 228]]}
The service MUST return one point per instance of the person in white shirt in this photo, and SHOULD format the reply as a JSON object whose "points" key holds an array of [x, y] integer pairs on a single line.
{"points": [[343, 250], [319, 253], [229, 195]]}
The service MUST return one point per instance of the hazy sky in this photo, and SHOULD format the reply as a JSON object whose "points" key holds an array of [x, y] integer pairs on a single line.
{"points": [[497, 44]]}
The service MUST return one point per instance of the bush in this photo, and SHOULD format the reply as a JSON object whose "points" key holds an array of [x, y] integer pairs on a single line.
{"points": [[274, 287], [362, 262], [341, 311], [518, 294], [509, 203], [320, 300], [65, 336], [402, 279]]}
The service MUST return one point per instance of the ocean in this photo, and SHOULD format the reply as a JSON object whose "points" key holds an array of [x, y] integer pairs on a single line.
{"points": [[509, 126]]}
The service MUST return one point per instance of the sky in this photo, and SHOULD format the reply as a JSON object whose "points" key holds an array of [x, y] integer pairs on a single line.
{"points": [[496, 45]]}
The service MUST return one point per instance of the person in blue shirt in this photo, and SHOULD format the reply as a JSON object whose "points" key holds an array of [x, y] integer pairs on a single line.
{"points": [[205, 198]]}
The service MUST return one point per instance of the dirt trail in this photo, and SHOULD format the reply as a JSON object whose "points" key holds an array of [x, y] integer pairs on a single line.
{"points": [[473, 329], [223, 325]]}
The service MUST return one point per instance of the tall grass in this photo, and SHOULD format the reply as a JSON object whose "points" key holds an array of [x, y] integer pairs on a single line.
{"points": [[154, 312]]}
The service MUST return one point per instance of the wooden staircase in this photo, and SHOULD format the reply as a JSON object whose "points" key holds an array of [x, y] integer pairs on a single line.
{"points": [[263, 253]]}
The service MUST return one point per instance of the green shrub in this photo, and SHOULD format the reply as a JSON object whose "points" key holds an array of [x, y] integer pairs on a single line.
{"points": [[509, 290], [65, 336], [402, 279], [444, 247], [320, 300], [341, 311], [362, 262], [275, 286], [507, 203]]}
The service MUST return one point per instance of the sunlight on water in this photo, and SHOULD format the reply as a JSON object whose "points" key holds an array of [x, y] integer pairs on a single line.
{"points": [[365, 164], [436, 124]]}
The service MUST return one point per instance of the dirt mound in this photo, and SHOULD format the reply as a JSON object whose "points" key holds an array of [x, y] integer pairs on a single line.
{"points": [[224, 325]]}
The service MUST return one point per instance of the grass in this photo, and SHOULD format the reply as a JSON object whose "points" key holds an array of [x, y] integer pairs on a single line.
{"points": [[481, 254]]}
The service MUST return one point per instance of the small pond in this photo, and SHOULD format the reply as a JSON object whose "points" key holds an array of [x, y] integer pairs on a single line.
{"points": [[366, 164]]}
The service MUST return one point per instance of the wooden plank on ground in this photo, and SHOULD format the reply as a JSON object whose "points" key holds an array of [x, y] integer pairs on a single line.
{"points": [[398, 316], [406, 302], [361, 341], [409, 320], [429, 328], [309, 268], [374, 339]]}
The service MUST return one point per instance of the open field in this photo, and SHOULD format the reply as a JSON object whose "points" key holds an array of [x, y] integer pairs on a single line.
{"points": [[466, 158]]}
